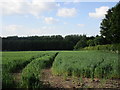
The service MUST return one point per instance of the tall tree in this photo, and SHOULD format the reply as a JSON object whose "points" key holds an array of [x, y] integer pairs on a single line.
{"points": [[110, 26], [81, 43]]}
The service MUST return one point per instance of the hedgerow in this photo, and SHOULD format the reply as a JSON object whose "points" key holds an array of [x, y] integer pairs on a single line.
{"points": [[110, 47]]}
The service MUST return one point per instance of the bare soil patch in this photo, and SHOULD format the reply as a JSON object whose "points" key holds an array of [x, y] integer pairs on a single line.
{"points": [[54, 81], [17, 77]]}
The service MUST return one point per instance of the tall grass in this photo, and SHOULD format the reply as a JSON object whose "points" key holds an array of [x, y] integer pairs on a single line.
{"points": [[91, 64], [15, 61], [32, 72]]}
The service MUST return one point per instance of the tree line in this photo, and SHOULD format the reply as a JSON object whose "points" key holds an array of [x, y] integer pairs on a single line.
{"points": [[55, 42]]}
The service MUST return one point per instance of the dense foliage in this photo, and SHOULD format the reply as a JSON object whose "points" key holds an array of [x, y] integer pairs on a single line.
{"points": [[36, 43], [110, 26], [81, 43], [39, 43], [90, 41]]}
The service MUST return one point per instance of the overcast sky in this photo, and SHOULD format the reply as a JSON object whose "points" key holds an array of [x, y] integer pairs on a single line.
{"points": [[32, 17]]}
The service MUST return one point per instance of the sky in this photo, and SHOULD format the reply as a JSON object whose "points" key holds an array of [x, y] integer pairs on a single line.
{"points": [[32, 17]]}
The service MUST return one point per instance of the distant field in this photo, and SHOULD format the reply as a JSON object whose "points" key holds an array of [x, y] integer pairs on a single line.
{"points": [[21, 55], [91, 64]]}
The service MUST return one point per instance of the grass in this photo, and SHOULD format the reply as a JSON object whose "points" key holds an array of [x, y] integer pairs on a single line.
{"points": [[15, 61], [31, 73], [89, 64]]}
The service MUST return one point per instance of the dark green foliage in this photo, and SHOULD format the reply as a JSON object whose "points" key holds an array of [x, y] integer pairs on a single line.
{"points": [[81, 43], [7, 80], [39, 43], [99, 40], [90, 43], [57, 42], [110, 26]]}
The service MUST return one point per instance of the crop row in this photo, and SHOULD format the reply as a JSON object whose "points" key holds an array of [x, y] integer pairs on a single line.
{"points": [[32, 72], [91, 64], [15, 61]]}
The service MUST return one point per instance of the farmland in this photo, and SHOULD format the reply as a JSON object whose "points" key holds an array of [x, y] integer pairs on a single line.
{"points": [[80, 64], [59, 45], [12, 62], [86, 64]]}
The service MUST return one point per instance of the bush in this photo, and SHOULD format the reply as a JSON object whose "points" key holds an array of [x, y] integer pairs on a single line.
{"points": [[110, 47]]}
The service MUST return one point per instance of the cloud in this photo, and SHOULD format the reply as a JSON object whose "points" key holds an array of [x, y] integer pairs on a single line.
{"points": [[12, 28], [76, 1], [50, 20], [20, 30], [81, 25], [66, 12], [35, 7], [12, 6], [99, 12], [65, 23]]}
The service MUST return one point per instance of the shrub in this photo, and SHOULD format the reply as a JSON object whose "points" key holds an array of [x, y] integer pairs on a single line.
{"points": [[110, 47]]}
